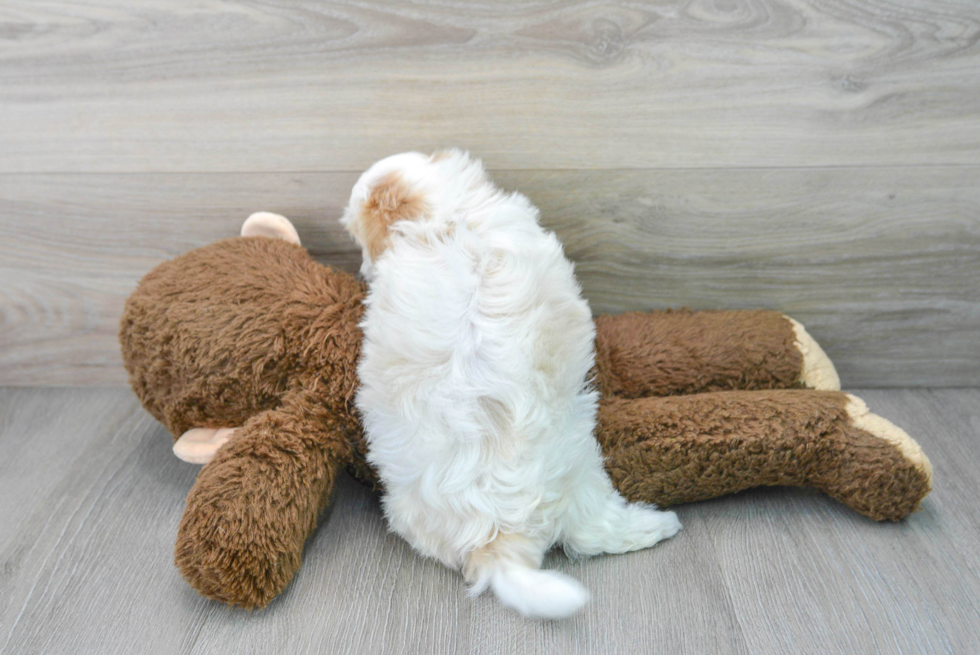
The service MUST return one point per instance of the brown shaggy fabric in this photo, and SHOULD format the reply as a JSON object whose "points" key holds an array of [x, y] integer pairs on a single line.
{"points": [[668, 353], [253, 506], [222, 332], [685, 448], [251, 333]]}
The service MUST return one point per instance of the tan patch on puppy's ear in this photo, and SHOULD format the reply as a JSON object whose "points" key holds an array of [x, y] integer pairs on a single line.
{"points": [[391, 200], [439, 156]]}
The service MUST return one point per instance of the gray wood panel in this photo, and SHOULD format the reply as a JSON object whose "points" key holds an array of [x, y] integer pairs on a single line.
{"points": [[88, 511], [90, 498], [302, 85], [881, 264], [851, 607]]}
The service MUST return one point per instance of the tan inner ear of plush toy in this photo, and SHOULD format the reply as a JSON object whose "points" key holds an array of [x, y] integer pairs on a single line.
{"points": [[199, 445], [273, 226]]}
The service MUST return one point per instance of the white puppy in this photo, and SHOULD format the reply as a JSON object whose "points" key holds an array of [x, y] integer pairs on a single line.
{"points": [[474, 391]]}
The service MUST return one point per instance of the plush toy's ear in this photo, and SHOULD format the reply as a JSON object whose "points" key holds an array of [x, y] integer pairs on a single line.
{"points": [[199, 445], [253, 506], [273, 226]]}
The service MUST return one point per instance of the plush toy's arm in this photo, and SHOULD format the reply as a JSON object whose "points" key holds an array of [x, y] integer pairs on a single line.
{"points": [[253, 506], [665, 353], [686, 448]]}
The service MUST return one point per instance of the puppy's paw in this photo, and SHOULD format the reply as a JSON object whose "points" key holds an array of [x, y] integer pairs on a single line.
{"points": [[656, 526], [644, 526]]}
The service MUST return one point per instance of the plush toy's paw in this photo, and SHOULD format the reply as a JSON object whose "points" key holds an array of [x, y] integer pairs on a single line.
{"points": [[880, 427], [199, 445], [880, 471], [252, 508], [818, 371], [273, 226]]}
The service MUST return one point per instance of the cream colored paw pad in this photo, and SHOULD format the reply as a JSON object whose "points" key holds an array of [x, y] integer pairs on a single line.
{"points": [[882, 428], [818, 371]]}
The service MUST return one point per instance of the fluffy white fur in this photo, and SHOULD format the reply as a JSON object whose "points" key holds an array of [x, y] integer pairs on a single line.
{"points": [[473, 391]]}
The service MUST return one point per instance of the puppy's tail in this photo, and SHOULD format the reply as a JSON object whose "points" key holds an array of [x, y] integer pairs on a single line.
{"points": [[509, 565]]}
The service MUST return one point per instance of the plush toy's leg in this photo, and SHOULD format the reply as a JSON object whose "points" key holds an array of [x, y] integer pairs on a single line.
{"points": [[680, 352], [685, 448], [251, 509], [199, 445]]}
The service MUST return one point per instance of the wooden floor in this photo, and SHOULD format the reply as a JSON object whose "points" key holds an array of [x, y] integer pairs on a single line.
{"points": [[820, 157], [90, 498]]}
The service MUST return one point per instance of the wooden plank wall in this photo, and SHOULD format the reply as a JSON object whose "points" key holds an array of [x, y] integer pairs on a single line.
{"points": [[822, 158]]}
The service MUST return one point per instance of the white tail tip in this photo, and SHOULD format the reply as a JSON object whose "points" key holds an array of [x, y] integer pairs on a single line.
{"points": [[273, 226], [539, 594]]}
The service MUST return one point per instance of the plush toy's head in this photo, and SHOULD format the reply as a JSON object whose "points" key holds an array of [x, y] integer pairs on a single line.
{"points": [[212, 336]]}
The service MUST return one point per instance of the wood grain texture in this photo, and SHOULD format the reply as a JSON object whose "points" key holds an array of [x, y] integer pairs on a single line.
{"points": [[851, 605], [90, 498], [881, 264], [304, 85], [89, 504]]}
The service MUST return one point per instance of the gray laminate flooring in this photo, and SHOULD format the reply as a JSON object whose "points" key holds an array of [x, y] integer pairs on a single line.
{"points": [[90, 498]]}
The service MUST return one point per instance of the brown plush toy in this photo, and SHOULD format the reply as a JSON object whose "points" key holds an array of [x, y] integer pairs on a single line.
{"points": [[250, 333]]}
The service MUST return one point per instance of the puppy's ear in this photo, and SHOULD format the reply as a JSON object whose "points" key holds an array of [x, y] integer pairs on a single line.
{"points": [[390, 200]]}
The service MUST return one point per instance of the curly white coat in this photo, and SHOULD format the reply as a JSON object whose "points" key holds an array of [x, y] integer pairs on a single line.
{"points": [[474, 391]]}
